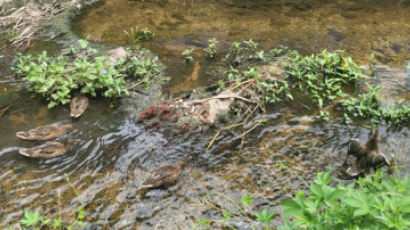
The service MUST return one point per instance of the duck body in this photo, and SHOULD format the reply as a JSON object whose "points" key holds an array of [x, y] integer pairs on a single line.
{"points": [[48, 150], [164, 175], [45, 133], [78, 105], [367, 155]]}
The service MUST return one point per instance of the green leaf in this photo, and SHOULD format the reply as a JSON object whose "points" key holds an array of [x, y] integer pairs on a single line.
{"points": [[291, 208], [204, 222], [57, 223], [246, 199], [227, 215], [31, 219], [264, 216]]}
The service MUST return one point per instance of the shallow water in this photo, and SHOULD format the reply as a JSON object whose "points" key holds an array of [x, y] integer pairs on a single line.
{"points": [[113, 154], [361, 28]]}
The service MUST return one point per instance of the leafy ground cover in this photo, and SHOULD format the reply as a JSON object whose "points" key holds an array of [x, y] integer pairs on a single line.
{"points": [[58, 78], [377, 201]]}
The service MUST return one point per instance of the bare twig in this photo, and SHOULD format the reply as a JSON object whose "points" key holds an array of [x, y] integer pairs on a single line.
{"points": [[223, 97], [135, 85], [4, 110], [11, 81], [246, 132], [224, 128]]}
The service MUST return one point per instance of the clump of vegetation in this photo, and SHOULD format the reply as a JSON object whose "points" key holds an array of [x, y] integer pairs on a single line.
{"points": [[211, 49], [377, 201], [136, 35], [56, 78], [188, 55], [323, 76], [245, 50], [326, 78]]}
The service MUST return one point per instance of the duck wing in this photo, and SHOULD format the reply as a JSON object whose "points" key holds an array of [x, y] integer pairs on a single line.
{"points": [[163, 175], [42, 133], [354, 147], [47, 150], [354, 170]]}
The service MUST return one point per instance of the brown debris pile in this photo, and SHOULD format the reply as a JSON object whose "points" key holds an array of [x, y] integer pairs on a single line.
{"points": [[239, 101], [210, 111]]}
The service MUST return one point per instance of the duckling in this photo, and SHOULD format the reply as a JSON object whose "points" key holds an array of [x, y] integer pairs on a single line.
{"points": [[45, 133], [164, 175], [78, 105], [50, 149], [367, 155]]}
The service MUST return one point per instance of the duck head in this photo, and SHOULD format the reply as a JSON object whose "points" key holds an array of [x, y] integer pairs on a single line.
{"points": [[78, 105], [379, 161]]}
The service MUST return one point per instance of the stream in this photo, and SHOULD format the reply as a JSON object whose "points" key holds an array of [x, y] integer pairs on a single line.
{"points": [[113, 154]]}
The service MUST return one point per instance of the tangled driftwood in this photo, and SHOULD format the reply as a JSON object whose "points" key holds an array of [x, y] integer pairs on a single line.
{"points": [[242, 96]]}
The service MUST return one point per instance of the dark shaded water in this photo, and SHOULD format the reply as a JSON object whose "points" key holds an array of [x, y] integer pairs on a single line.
{"points": [[114, 154]]}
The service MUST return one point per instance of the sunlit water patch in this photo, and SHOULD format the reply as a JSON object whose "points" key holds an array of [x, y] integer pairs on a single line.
{"points": [[362, 29]]}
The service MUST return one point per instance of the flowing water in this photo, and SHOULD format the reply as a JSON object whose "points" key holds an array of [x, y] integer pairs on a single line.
{"points": [[112, 154]]}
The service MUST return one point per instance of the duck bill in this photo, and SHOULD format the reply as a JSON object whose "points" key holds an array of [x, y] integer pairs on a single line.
{"points": [[24, 152], [74, 115], [22, 135]]}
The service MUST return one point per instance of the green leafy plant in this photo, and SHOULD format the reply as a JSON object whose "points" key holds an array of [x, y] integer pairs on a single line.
{"points": [[33, 219], [368, 105], [327, 78], [188, 55], [234, 50], [211, 49], [144, 70], [146, 35], [135, 35], [322, 76], [245, 49], [264, 216], [56, 78], [375, 202]]}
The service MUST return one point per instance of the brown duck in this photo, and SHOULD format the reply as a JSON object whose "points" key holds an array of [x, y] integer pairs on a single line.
{"points": [[367, 155], [78, 105], [50, 149], [45, 133], [164, 175]]}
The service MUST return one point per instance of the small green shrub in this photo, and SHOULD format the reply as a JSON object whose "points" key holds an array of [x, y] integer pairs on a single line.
{"points": [[375, 202], [245, 49], [325, 78], [211, 49], [136, 35], [56, 78], [188, 55]]}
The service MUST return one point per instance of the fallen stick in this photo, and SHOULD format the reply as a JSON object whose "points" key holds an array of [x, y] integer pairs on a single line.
{"points": [[217, 134], [246, 132], [223, 97], [8, 82]]}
